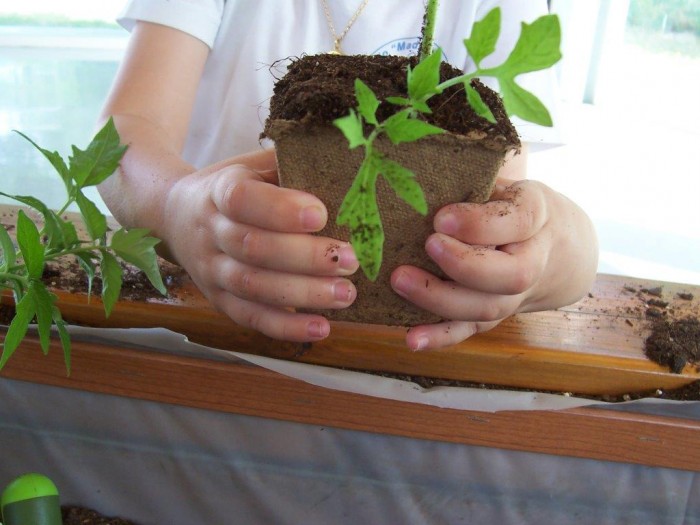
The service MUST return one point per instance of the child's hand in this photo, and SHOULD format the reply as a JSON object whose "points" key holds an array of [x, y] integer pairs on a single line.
{"points": [[245, 242], [529, 248]]}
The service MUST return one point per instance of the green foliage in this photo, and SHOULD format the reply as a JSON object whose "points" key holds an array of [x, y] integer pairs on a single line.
{"points": [[537, 48], [359, 210], [21, 268]]}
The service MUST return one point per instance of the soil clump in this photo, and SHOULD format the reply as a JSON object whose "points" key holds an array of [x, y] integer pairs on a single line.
{"points": [[674, 343], [74, 515], [318, 89]]}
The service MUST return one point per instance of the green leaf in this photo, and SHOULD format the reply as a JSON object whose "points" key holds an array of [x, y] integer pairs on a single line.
{"points": [[53, 227], [85, 261], [43, 307], [111, 281], [367, 237], [63, 335], [352, 197], [359, 211], [9, 253], [70, 234], [398, 101], [55, 159], [521, 103], [351, 126], [400, 127], [30, 245], [421, 107], [367, 102], [478, 104], [537, 47], [24, 313], [423, 80], [99, 160], [484, 36], [136, 248], [94, 219], [403, 182], [418, 105]]}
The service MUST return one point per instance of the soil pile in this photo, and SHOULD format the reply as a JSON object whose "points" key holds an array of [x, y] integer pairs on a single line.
{"points": [[317, 89], [674, 343], [83, 516]]}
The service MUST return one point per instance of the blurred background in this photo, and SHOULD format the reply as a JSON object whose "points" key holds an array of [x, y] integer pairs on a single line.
{"points": [[629, 80]]}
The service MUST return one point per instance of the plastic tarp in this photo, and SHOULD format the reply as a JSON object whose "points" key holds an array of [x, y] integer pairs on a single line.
{"points": [[163, 464]]}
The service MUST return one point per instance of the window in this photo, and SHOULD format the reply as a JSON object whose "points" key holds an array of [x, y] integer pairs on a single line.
{"points": [[630, 78], [55, 71], [629, 82]]}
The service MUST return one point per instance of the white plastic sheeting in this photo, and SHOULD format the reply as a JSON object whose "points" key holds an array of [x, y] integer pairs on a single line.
{"points": [[162, 464]]}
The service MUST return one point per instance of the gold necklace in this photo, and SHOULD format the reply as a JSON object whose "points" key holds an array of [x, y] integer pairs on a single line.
{"points": [[338, 38]]}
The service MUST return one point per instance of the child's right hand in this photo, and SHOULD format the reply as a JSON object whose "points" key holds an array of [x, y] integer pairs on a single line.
{"points": [[245, 241], [246, 244]]}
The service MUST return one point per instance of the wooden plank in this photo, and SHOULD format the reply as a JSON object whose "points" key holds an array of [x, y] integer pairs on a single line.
{"points": [[245, 389], [592, 347]]}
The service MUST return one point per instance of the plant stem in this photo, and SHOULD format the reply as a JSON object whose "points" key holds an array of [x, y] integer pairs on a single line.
{"points": [[426, 44], [462, 79], [12, 277]]}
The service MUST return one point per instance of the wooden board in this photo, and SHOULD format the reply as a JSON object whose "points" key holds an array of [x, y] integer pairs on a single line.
{"points": [[592, 347], [245, 389]]}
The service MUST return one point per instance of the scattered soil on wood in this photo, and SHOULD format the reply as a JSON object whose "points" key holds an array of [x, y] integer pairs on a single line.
{"points": [[73, 515], [674, 343], [320, 88], [674, 340]]}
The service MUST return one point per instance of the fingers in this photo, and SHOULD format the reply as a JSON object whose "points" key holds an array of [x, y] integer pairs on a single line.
{"points": [[242, 195], [285, 252], [430, 337], [263, 162], [274, 322], [514, 213], [449, 299], [280, 289], [510, 270]]}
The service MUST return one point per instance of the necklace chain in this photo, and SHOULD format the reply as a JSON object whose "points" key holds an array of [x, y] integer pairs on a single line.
{"points": [[331, 27]]}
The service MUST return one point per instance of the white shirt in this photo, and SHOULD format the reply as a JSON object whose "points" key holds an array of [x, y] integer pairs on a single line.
{"points": [[250, 41]]}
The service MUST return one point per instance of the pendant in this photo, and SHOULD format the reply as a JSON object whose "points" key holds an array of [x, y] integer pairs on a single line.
{"points": [[336, 48]]}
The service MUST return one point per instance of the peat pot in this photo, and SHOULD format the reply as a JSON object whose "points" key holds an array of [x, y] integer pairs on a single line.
{"points": [[313, 155]]}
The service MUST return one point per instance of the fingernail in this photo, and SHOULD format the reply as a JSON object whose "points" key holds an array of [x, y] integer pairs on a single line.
{"points": [[402, 284], [312, 218], [342, 291], [318, 330], [446, 224], [435, 247], [421, 344], [347, 259]]}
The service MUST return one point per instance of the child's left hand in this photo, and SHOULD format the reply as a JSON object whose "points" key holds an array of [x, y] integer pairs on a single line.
{"points": [[529, 248]]}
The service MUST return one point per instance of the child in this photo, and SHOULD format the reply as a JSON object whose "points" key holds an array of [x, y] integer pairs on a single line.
{"points": [[190, 100]]}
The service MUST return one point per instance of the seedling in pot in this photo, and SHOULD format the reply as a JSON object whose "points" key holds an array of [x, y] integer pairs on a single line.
{"points": [[537, 48], [22, 267]]}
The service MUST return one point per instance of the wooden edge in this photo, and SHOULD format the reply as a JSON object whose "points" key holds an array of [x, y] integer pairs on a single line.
{"points": [[245, 389], [504, 356], [593, 347]]}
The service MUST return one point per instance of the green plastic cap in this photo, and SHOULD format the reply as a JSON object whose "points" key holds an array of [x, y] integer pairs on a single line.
{"points": [[26, 487]]}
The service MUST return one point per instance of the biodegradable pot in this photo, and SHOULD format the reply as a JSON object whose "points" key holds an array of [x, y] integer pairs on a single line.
{"points": [[313, 156]]}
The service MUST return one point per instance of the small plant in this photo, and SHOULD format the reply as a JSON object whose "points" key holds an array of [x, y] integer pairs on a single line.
{"points": [[537, 48], [22, 267]]}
